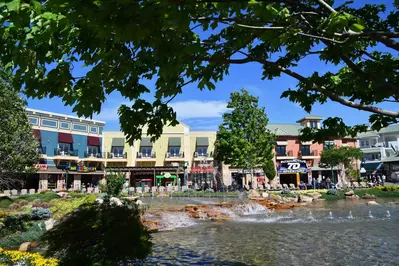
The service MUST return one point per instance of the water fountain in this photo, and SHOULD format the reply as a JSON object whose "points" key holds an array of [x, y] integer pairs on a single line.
{"points": [[330, 216], [350, 216], [388, 214], [370, 215], [152, 194], [310, 215]]}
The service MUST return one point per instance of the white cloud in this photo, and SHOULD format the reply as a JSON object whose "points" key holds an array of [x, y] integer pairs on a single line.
{"points": [[199, 109], [109, 113]]}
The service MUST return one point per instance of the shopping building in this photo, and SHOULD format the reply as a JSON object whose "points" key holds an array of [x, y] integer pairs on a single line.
{"points": [[71, 152]]}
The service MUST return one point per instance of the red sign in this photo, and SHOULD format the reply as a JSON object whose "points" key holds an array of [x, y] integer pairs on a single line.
{"points": [[203, 169], [41, 167]]}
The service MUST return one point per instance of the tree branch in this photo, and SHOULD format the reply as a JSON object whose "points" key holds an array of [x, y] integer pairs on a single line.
{"points": [[322, 3]]}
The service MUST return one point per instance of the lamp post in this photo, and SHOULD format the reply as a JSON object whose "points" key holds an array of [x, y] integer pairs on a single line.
{"points": [[67, 167]]}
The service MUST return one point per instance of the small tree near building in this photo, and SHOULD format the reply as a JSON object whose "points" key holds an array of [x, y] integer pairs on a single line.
{"points": [[243, 139], [335, 156], [18, 146]]}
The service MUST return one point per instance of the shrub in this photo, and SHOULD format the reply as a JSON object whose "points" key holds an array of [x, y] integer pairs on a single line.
{"points": [[62, 207], [36, 201], [12, 257], [41, 205], [285, 191], [13, 223], [103, 234], [33, 233], [23, 202], [5, 202], [14, 206], [114, 184], [40, 214], [332, 192]]}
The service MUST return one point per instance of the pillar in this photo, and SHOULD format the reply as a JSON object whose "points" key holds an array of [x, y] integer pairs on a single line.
{"points": [[298, 179], [60, 181], [77, 182], [43, 181]]}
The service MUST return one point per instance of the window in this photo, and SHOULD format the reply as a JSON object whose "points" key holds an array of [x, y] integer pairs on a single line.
{"points": [[146, 151], [313, 124], [202, 151], [328, 144], [65, 125], [281, 150], [100, 130], [49, 123], [34, 120], [174, 151], [80, 127], [92, 150], [364, 143], [93, 130], [305, 150], [116, 150], [64, 147]]}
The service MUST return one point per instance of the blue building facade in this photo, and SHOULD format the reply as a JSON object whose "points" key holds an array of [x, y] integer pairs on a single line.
{"points": [[71, 150]]}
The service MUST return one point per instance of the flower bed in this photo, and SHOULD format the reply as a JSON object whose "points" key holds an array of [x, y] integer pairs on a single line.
{"points": [[12, 257]]}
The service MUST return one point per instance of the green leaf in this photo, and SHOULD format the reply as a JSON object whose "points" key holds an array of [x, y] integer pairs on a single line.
{"points": [[357, 27], [14, 5], [253, 2], [37, 6]]}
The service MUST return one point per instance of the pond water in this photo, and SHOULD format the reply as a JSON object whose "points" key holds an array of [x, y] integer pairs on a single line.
{"points": [[329, 233]]}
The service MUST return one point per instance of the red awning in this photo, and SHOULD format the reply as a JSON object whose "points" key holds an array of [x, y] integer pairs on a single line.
{"points": [[93, 141], [36, 133], [65, 138]]}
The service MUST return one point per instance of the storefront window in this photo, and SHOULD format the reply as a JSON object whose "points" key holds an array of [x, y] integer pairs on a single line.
{"points": [[92, 150], [281, 150]]}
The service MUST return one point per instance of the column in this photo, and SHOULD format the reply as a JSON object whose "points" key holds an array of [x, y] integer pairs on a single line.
{"points": [[43, 181], [77, 182], [60, 181], [298, 179]]}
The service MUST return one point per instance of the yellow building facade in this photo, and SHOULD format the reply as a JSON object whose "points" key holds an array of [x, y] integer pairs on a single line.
{"points": [[176, 156]]}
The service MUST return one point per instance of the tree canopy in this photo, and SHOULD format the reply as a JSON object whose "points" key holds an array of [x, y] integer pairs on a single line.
{"points": [[340, 155], [123, 43], [18, 146], [243, 139]]}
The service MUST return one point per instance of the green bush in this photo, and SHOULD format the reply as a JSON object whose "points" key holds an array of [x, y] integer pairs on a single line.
{"points": [[40, 214], [47, 196], [36, 201], [13, 223], [114, 185], [60, 208], [14, 206], [32, 234], [99, 234], [5, 202], [41, 205], [332, 192], [23, 202]]}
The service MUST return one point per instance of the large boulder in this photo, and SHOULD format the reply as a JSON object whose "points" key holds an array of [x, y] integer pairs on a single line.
{"points": [[372, 203], [275, 197], [62, 194], [314, 195], [253, 194], [116, 201], [353, 197], [349, 193], [368, 196], [303, 198], [25, 247], [265, 195]]}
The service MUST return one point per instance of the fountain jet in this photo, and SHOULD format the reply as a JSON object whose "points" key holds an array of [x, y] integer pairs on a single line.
{"points": [[388, 214], [370, 215], [350, 216], [330, 216]]}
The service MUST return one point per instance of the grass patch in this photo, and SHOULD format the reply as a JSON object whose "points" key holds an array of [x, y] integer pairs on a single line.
{"points": [[377, 192], [339, 196], [47, 196]]}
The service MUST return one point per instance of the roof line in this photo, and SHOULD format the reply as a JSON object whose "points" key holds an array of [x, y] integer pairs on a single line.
{"points": [[64, 115]]}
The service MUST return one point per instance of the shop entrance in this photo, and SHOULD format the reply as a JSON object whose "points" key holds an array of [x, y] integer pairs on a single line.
{"points": [[288, 179]]}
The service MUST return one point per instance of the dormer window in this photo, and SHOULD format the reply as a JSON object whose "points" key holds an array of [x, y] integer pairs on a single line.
{"points": [[313, 124]]}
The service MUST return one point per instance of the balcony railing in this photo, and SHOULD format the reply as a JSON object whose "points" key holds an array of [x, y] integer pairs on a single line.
{"points": [[308, 153], [93, 155], [175, 155], [141, 155], [207, 154], [111, 155], [286, 153], [60, 152], [41, 150]]}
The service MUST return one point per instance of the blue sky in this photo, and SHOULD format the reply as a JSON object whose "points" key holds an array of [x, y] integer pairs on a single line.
{"points": [[203, 109]]}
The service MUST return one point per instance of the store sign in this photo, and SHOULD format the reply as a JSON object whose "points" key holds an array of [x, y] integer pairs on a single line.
{"points": [[292, 166], [202, 169], [81, 168], [41, 167]]}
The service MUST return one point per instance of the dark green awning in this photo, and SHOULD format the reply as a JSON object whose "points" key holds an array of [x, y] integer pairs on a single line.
{"points": [[146, 142], [118, 142], [161, 176], [370, 166], [202, 141], [174, 142]]}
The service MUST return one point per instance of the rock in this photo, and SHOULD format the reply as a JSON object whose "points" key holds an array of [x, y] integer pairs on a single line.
{"points": [[275, 197], [314, 195], [265, 195], [224, 204], [139, 203], [132, 198], [253, 194], [353, 197], [162, 195], [319, 199], [100, 200], [394, 203], [33, 244], [116, 201], [194, 214], [368, 196], [212, 213], [190, 207], [62, 194], [25, 247], [49, 224], [372, 203], [350, 193], [303, 198]]}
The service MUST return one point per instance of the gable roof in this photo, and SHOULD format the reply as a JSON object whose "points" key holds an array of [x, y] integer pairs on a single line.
{"points": [[285, 129]]}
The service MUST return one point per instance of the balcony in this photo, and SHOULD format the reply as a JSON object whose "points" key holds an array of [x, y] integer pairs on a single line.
{"points": [[146, 157], [42, 152], [208, 156], [116, 157], [94, 157], [285, 155], [308, 154], [174, 156], [67, 155]]}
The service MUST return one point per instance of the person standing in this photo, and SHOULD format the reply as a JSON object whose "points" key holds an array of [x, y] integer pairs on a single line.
{"points": [[328, 181]]}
